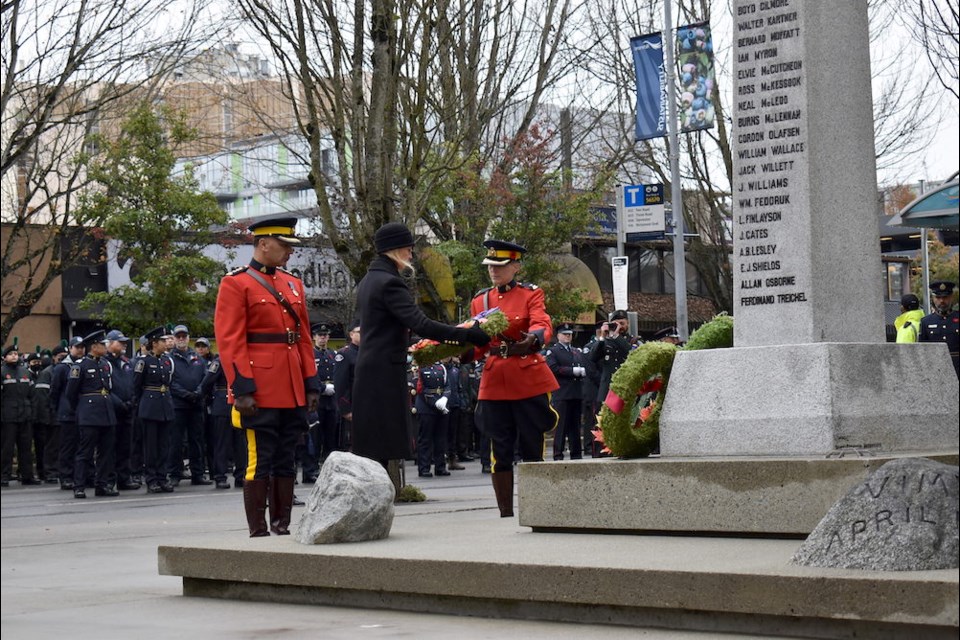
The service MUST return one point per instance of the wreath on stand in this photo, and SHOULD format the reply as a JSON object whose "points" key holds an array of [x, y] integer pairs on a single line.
{"points": [[628, 424]]}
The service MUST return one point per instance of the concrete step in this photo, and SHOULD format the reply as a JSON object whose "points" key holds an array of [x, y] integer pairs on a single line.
{"points": [[472, 562]]}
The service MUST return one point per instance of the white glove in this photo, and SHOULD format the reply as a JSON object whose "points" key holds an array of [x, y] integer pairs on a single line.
{"points": [[579, 372], [328, 389], [441, 405]]}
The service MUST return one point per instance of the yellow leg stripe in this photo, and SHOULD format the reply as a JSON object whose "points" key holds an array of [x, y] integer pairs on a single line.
{"points": [[251, 454], [556, 421]]}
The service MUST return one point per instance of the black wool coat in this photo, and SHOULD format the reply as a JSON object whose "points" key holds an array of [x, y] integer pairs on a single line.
{"points": [[381, 400]]}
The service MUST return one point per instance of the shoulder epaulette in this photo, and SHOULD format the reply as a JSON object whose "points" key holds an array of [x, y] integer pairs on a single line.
{"points": [[528, 285], [237, 271]]}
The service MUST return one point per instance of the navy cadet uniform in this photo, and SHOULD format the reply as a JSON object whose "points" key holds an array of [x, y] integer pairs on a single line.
{"points": [[943, 325], [188, 372], [344, 364], [151, 395], [88, 392], [433, 396], [568, 366], [66, 414], [324, 434], [44, 415], [228, 442], [122, 395], [16, 413]]}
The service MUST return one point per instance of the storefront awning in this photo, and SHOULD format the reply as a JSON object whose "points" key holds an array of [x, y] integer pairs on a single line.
{"points": [[939, 209]]}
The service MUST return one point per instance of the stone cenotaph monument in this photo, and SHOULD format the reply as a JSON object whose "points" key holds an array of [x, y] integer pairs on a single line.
{"points": [[810, 373]]}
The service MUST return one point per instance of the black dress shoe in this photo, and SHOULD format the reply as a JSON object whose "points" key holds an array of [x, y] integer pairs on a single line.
{"points": [[223, 484], [174, 482], [167, 487], [79, 493], [106, 492], [129, 486], [201, 481], [52, 480], [425, 474], [66, 485], [441, 472], [154, 488], [31, 481]]}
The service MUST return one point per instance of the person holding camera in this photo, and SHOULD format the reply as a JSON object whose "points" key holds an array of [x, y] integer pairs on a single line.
{"points": [[614, 346]]}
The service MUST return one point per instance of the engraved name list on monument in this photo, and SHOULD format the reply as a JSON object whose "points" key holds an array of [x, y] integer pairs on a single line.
{"points": [[771, 237]]}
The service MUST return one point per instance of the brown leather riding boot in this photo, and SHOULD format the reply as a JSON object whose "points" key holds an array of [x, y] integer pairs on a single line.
{"points": [[503, 488], [255, 505], [281, 504]]}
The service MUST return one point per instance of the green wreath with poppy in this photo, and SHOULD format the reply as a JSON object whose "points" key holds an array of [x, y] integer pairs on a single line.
{"points": [[628, 424]]}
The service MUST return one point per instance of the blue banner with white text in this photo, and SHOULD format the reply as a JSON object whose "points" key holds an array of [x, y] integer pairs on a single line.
{"points": [[651, 86]]}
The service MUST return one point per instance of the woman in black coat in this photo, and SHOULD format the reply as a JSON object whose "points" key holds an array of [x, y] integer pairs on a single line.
{"points": [[388, 313]]}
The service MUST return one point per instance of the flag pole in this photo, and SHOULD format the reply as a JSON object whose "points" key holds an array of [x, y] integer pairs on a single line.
{"points": [[676, 191]]}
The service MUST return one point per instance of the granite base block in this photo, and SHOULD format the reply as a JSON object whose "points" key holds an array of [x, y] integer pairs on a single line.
{"points": [[811, 399], [775, 496]]}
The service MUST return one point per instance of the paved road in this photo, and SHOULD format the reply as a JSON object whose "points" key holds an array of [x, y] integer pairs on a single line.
{"points": [[82, 569]]}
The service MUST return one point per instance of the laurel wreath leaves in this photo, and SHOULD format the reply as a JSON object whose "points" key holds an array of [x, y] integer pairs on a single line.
{"points": [[634, 431]]}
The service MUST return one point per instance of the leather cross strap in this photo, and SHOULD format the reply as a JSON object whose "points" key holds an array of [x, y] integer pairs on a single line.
{"points": [[276, 294]]}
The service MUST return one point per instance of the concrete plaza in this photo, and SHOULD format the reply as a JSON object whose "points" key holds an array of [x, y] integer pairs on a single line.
{"points": [[88, 569]]}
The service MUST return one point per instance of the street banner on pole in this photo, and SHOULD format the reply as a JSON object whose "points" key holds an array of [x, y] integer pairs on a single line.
{"points": [[697, 78], [651, 86]]}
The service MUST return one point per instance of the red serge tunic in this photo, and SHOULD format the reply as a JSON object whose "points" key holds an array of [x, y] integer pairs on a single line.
{"points": [[515, 377], [276, 373]]}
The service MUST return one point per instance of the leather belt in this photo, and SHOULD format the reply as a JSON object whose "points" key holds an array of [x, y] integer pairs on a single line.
{"points": [[438, 390], [506, 349], [102, 392], [161, 389], [290, 337]]}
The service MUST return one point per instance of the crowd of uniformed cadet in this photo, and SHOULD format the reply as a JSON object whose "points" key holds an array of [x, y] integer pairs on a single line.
{"points": [[85, 415]]}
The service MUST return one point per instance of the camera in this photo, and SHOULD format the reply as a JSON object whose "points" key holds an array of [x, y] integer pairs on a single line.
{"points": [[612, 326]]}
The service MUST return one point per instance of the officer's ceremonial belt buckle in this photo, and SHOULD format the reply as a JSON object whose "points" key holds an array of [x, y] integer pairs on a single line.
{"points": [[435, 391], [293, 337], [104, 392], [504, 349]]}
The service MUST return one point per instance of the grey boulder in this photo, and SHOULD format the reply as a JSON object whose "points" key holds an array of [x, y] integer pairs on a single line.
{"points": [[902, 518], [352, 501]]}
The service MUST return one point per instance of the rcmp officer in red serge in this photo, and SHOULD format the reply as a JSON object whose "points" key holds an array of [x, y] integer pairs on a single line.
{"points": [[515, 387], [88, 392], [263, 333]]}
